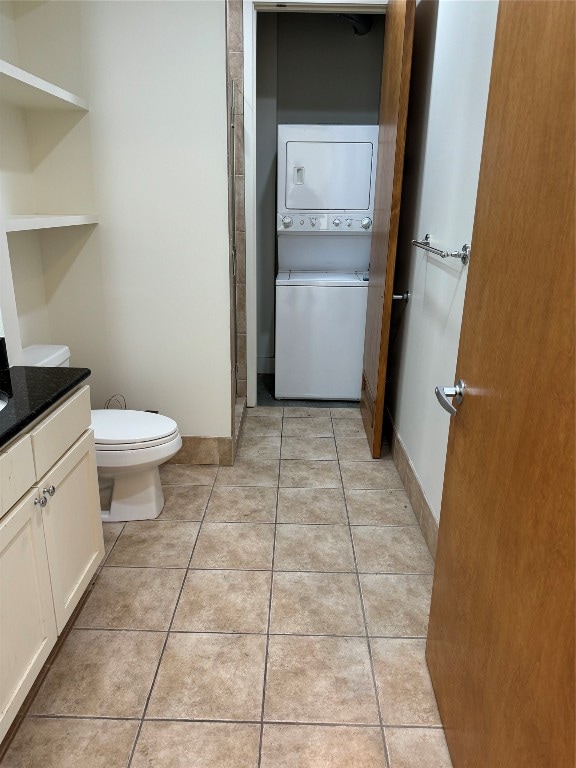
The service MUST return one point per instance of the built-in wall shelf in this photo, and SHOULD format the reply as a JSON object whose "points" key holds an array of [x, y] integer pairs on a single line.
{"points": [[25, 90], [34, 221]]}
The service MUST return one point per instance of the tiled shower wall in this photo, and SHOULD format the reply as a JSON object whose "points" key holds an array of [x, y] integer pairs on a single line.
{"points": [[234, 43]]}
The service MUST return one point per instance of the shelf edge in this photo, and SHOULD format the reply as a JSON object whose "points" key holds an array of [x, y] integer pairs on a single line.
{"points": [[32, 222], [17, 78]]}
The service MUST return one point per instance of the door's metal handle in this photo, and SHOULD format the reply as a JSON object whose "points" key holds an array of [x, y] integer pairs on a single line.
{"points": [[457, 392], [40, 501], [51, 490]]}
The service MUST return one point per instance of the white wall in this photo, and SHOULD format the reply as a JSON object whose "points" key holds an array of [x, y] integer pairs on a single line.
{"points": [[451, 68], [29, 287], [157, 90], [142, 299]]}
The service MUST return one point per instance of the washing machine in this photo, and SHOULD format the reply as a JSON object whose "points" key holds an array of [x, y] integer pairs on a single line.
{"points": [[320, 334], [326, 180]]}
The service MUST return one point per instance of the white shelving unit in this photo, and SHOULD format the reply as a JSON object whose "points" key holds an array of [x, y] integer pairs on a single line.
{"points": [[39, 117], [25, 223], [25, 90]]}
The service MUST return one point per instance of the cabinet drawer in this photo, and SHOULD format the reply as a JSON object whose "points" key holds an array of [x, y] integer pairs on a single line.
{"points": [[17, 473], [60, 430]]}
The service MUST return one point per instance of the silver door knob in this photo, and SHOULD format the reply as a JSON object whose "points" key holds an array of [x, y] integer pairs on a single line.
{"points": [[41, 501], [457, 392], [51, 490]]}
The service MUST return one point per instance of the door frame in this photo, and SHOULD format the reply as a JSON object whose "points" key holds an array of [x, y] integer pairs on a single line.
{"points": [[250, 10]]}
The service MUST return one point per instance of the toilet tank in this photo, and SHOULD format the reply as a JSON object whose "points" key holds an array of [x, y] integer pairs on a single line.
{"points": [[44, 355]]}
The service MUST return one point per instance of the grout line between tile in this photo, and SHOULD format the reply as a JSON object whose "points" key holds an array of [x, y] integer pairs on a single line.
{"points": [[256, 634], [103, 563], [367, 636], [304, 570], [52, 716], [323, 723], [148, 697], [270, 606]]}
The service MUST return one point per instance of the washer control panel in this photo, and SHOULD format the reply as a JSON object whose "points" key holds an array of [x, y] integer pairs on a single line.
{"points": [[322, 222]]}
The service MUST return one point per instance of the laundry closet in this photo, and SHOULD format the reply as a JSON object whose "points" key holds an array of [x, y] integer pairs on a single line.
{"points": [[318, 76]]}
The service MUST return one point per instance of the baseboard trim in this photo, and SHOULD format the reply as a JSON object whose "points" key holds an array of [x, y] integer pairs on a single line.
{"points": [[416, 495], [205, 450], [213, 450]]}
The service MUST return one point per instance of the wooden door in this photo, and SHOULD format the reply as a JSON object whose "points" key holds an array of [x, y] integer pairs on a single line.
{"points": [[398, 36], [501, 637]]}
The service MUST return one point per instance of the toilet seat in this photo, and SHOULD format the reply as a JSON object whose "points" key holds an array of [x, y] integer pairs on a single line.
{"points": [[135, 446], [123, 430]]}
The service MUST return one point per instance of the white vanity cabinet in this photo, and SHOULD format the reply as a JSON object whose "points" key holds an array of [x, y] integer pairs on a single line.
{"points": [[51, 542], [27, 621], [72, 526]]}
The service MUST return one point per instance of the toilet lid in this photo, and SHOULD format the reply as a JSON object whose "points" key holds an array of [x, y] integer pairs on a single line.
{"points": [[114, 426]]}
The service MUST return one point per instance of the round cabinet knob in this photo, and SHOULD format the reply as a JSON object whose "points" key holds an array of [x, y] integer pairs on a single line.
{"points": [[348, 222], [336, 222], [40, 501], [51, 490], [286, 222], [366, 223]]}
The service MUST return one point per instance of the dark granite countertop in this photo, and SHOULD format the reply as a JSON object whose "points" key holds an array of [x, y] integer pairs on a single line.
{"points": [[32, 391]]}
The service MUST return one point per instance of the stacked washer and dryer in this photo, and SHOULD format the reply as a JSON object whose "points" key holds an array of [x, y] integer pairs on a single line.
{"points": [[326, 180]]}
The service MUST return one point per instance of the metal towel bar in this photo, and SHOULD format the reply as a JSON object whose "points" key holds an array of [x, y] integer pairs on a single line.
{"points": [[463, 254]]}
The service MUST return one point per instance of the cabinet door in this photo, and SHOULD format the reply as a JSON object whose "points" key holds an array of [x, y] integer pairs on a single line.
{"points": [[72, 525], [27, 623]]}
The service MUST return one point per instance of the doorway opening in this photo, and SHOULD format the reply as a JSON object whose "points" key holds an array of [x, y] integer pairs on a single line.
{"points": [[300, 68]]}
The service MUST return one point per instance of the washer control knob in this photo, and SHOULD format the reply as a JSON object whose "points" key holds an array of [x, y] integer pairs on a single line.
{"points": [[313, 220], [336, 222], [286, 222], [348, 222], [366, 223]]}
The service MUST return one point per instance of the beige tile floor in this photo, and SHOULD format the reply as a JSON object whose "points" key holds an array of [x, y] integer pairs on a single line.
{"points": [[273, 616]]}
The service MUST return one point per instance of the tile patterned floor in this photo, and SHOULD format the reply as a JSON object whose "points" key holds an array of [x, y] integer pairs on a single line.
{"points": [[273, 616]]}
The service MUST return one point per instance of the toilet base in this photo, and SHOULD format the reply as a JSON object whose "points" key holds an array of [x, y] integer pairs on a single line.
{"points": [[135, 496]]}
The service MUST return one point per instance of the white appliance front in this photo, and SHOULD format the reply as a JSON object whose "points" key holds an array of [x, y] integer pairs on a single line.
{"points": [[328, 253], [320, 322], [327, 168], [328, 175]]}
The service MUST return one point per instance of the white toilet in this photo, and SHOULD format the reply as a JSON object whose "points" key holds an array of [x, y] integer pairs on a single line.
{"points": [[130, 446]]}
